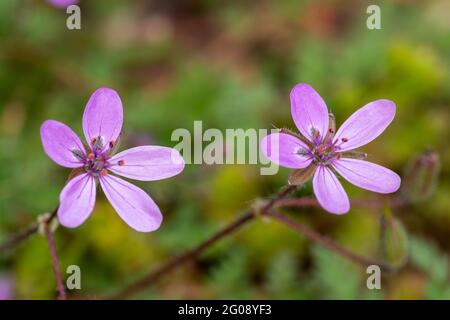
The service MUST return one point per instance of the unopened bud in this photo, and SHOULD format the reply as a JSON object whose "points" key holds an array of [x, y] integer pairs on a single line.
{"points": [[394, 241], [421, 177]]}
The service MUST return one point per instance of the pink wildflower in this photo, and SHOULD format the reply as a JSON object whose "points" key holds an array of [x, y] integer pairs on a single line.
{"points": [[102, 124], [322, 152]]}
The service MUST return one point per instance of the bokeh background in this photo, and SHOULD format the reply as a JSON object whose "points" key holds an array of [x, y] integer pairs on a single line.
{"points": [[230, 64]]}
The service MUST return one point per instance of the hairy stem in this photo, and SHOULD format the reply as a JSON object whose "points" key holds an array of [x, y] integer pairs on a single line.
{"points": [[362, 203], [16, 239], [267, 211], [55, 262], [183, 258], [322, 240]]}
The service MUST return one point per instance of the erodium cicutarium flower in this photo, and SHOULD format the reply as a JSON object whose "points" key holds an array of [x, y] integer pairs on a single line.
{"points": [[322, 153], [96, 163]]}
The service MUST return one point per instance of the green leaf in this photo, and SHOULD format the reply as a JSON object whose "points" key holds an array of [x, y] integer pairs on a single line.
{"points": [[335, 276]]}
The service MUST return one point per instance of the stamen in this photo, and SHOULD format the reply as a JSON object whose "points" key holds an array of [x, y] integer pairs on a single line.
{"points": [[112, 144], [93, 141], [104, 173], [344, 139], [321, 148], [121, 162], [91, 156], [98, 143]]}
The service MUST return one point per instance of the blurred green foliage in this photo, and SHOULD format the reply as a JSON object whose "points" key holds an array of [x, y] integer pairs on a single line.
{"points": [[231, 65]]}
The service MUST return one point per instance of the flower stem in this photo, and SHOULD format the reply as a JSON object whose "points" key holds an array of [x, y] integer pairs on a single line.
{"points": [[362, 203], [183, 258], [266, 211], [324, 241], [55, 262], [16, 239]]}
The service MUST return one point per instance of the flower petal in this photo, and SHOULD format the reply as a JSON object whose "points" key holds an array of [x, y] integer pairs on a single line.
{"points": [[147, 163], [365, 124], [329, 191], [77, 201], [309, 112], [61, 144], [103, 117], [368, 175], [62, 3], [132, 204], [286, 150]]}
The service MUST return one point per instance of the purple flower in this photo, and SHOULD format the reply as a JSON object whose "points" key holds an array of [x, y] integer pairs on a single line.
{"points": [[321, 152], [102, 124], [62, 3]]}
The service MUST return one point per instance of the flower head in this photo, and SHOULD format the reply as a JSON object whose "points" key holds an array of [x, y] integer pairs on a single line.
{"points": [[319, 151], [97, 163]]}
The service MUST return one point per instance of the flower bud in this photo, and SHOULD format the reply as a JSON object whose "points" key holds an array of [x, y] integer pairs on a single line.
{"points": [[421, 177]]}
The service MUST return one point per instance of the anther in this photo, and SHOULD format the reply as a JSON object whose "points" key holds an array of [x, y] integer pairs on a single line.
{"points": [[93, 141], [121, 162], [344, 139], [330, 130], [104, 173], [91, 156], [112, 143]]}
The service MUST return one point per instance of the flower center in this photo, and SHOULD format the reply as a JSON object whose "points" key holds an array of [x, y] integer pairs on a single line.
{"points": [[324, 152], [96, 164]]}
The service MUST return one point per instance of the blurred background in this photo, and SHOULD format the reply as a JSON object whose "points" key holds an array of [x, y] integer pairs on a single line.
{"points": [[230, 64]]}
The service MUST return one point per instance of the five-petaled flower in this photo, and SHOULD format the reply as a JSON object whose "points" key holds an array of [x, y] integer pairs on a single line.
{"points": [[96, 162], [321, 152]]}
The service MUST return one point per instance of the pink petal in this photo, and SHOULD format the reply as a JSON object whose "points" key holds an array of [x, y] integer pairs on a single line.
{"points": [[103, 116], [309, 111], [368, 175], [62, 3], [61, 144], [365, 124], [77, 200], [286, 150], [329, 191], [132, 204], [147, 163]]}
